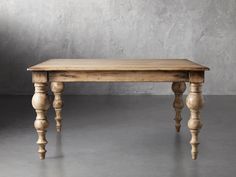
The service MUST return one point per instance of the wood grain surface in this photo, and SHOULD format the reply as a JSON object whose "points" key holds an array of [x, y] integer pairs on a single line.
{"points": [[118, 65]]}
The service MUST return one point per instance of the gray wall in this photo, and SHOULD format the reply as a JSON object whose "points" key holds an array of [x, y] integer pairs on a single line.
{"points": [[34, 30]]}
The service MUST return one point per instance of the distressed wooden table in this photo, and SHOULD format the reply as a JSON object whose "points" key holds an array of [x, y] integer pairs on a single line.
{"points": [[58, 71]]}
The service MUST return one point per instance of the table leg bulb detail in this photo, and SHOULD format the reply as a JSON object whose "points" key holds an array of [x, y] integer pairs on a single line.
{"points": [[178, 88], [195, 102], [57, 89], [41, 104]]}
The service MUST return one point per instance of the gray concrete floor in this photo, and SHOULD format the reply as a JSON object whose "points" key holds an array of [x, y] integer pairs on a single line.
{"points": [[118, 136]]}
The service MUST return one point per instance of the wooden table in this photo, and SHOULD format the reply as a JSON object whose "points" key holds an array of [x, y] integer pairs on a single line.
{"points": [[58, 71]]}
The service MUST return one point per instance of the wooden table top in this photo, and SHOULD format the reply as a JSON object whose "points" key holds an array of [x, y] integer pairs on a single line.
{"points": [[118, 65]]}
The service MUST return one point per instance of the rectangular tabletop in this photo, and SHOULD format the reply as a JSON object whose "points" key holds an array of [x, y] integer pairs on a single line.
{"points": [[118, 65], [118, 70]]}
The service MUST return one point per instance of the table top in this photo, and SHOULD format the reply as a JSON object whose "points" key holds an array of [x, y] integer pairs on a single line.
{"points": [[118, 65]]}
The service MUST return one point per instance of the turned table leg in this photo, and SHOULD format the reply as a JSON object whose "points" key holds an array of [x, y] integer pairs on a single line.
{"points": [[178, 88], [195, 102], [57, 89], [40, 103]]}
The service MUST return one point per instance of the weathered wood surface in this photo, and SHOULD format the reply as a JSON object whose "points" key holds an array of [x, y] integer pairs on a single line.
{"points": [[117, 65], [118, 76]]}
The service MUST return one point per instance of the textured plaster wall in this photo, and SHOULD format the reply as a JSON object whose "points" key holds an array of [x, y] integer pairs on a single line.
{"points": [[34, 30]]}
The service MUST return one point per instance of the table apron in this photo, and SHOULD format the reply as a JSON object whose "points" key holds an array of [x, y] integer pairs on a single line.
{"points": [[118, 76]]}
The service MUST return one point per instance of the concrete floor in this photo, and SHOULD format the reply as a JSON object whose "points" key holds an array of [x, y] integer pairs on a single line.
{"points": [[118, 136]]}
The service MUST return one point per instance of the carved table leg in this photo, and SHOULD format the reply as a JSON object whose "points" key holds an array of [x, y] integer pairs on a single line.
{"points": [[57, 89], [40, 103], [178, 88], [195, 102]]}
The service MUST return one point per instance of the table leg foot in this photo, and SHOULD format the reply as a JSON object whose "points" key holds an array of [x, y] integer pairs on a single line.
{"points": [[178, 104], [57, 89], [195, 102], [40, 103]]}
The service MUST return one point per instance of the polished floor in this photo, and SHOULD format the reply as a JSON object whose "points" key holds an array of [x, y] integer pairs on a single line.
{"points": [[118, 136]]}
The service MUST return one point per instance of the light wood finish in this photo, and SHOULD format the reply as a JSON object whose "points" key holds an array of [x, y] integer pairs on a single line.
{"points": [[40, 77], [118, 65], [195, 102], [196, 77], [177, 71], [178, 88], [41, 104], [57, 89], [118, 76]]}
